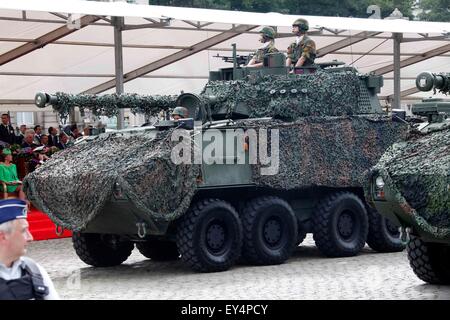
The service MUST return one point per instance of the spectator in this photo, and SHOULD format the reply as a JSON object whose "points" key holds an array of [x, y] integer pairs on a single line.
{"points": [[8, 174], [62, 144], [37, 159], [37, 134], [52, 136], [21, 135], [44, 140], [29, 140], [75, 133], [7, 134]]}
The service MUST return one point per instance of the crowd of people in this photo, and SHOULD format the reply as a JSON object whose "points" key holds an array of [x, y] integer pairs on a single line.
{"points": [[33, 144]]}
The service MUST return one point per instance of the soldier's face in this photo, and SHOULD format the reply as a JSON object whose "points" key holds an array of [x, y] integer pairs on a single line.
{"points": [[295, 30], [15, 242], [262, 39]]}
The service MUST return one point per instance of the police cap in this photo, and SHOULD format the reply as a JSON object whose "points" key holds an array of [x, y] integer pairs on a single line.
{"points": [[11, 209]]}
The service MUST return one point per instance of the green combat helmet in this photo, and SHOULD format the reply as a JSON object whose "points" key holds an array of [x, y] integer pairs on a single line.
{"points": [[302, 24], [180, 111], [268, 32]]}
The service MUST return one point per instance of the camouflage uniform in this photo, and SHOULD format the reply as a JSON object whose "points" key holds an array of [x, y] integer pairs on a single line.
{"points": [[306, 48], [262, 52]]}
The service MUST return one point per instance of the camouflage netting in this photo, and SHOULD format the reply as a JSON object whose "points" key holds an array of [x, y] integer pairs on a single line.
{"points": [[420, 172], [75, 184], [329, 151], [73, 187], [289, 98], [279, 96], [109, 104]]}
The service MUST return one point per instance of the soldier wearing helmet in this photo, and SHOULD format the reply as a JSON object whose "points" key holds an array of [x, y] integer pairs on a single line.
{"points": [[180, 113], [268, 35], [302, 52]]}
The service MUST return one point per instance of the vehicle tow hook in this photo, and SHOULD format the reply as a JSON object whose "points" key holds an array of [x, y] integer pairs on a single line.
{"points": [[142, 229], [59, 230], [405, 234]]}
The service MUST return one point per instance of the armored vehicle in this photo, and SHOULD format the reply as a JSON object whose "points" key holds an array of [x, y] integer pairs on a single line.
{"points": [[264, 158], [411, 184]]}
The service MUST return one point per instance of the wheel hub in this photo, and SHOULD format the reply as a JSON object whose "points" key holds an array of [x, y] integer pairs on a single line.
{"points": [[392, 229], [215, 236], [346, 225], [272, 231]]}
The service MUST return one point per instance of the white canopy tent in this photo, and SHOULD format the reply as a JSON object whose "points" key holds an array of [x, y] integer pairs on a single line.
{"points": [[168, 49]]}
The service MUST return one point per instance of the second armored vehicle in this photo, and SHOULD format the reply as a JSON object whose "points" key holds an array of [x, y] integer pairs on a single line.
{"points": [[411, 185]]}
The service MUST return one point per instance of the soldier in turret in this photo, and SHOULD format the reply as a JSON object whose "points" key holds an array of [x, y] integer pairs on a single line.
{"points": [[302, 52], [268, 39], [180, 113]]}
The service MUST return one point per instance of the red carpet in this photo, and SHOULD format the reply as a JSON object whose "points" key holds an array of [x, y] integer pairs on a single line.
{"points": [[42, 228]]}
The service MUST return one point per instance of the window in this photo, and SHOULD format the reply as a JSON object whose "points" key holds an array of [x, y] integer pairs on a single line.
{"points": [[25, 118]]}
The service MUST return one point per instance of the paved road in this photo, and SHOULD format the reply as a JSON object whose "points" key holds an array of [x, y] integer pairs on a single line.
{"points": [[307, 275]]}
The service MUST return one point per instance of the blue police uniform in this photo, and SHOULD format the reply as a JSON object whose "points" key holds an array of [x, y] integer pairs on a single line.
{"points": [[24, 280]]}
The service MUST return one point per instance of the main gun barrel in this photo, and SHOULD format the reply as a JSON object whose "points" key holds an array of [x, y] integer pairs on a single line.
{"points": [[427, 81], [42, 99]]}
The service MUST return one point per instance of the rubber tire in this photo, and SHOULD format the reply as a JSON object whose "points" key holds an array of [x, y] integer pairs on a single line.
{"points": [[429, 261], [325, 229], [379, 237], [158, 250], [191, 236], [256, 250], [92, 250]]}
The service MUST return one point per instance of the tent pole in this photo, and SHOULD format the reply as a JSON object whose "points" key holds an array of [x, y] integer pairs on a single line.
{"points": [[118, 23], [397, 72]]}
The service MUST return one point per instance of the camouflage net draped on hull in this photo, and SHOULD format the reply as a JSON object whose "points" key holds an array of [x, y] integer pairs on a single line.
{"points": [[74, 186], [330, 152], [420, 172], [289, 98]]}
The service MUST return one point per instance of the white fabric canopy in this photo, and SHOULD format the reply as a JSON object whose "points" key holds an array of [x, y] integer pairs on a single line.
{"points": [[123, 9], [85, 58]]}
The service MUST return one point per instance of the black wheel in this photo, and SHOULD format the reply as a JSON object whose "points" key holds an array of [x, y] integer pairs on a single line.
{"points": [[209, 236], [340, 225], [270, 231], [383, 234], [429, 261], [158, 250], [101, 250]]}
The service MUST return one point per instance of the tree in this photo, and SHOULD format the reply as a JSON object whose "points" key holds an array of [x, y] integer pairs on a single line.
{"points": [[434, 10]]}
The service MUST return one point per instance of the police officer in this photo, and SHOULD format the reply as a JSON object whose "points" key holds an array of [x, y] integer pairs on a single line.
{"points": [[268, 39], [20, 277], [303, 51], [180, 113]]}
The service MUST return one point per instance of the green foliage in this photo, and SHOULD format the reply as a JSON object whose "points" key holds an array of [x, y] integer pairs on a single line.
{"points": [[435, 10], [346, 8]]}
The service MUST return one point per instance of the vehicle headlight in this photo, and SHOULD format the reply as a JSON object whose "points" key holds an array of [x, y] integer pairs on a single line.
{"points": [[379, 190], [379, 182]]}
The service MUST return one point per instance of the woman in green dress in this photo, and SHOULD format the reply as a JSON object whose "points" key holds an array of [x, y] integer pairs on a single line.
{"points": [[8, 175]]}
